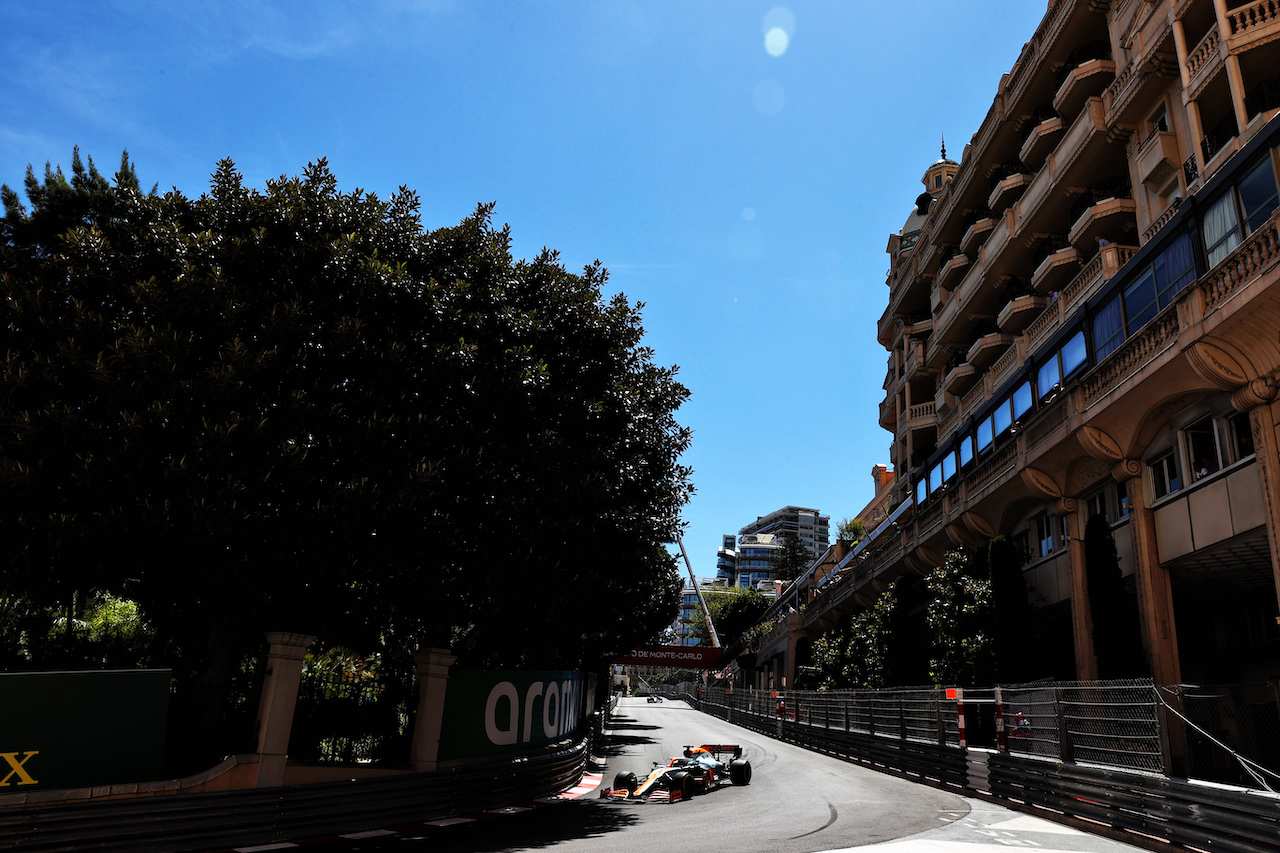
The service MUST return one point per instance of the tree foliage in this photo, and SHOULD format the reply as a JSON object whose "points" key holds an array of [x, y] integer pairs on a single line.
{"points": [[851, 530], [792, 559], [735, 611], [879, 647], [294, 409], [961, 618]]}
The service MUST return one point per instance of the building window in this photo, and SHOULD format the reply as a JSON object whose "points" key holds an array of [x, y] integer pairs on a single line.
{"points": [[1122, 499], [1258, 196], [1023, 399], [1164, 475], [1047, 529], [1240, 211], [984, 435], [1061, 365], [1239, 437], [1022, 543], [1097, 504], [966, 450], [1002, 418], [1144, 297], [1202, 448], [1221, 228], [948, 467]]}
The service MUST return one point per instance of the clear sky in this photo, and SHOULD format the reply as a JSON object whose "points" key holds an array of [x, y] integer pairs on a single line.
{"points": [[738, 166]]}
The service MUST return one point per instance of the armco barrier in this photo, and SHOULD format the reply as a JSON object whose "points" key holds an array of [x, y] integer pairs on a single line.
{"points": [[929, 762], [1173, 811], [1144, 809], [211, 821]]}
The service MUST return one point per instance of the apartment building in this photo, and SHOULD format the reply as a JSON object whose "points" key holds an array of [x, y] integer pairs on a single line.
{"points": [[1083, 318], [808, 525]]}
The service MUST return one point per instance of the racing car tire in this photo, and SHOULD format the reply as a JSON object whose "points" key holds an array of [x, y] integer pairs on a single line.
{"points": [[683, 783], [740, 771], [626, 780]]}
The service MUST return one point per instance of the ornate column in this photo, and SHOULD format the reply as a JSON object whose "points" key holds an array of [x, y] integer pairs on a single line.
{"points": [[1065, 507], [1155, 590], [432, 666], [1081, 618], [1155, 610], [1258, 400], [1235, 78], [279, 698]]}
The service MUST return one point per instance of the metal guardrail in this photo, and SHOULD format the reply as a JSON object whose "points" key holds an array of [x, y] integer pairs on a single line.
{"points": [[1148, 809], [1144, 805], [211, 821]]}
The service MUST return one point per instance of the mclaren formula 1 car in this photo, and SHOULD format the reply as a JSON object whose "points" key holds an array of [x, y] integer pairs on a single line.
{"points": [[701, 768]]}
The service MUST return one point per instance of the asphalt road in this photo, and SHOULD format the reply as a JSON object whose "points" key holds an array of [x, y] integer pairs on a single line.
{"points": [[797, 802]]}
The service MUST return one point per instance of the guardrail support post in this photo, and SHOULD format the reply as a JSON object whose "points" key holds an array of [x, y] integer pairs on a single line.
{"points": [[432, 666], [279, 699]]}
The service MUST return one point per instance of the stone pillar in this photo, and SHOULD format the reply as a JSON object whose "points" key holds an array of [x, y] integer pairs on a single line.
{"points": [[432, 666], [1193, 108], [1235, 79], [1256, 399], [279, 698], [1155, 589], [1081, 618], [1155, 612]]}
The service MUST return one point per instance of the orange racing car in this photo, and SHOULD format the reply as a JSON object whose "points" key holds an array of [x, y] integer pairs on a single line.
{"points": [[700, 769]]}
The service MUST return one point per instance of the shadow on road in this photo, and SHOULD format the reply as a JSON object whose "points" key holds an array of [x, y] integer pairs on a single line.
{"points": [[537, 829], [622, 724], [615, 745]]}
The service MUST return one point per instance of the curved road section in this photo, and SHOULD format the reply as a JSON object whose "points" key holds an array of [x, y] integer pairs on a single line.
{"points": [[797, 802]]}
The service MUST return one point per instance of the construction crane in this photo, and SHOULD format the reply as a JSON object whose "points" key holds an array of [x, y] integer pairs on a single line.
{"points": [[706, 614]]}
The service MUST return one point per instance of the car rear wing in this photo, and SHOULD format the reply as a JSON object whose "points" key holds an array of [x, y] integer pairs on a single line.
{"points": [[717, 749]]}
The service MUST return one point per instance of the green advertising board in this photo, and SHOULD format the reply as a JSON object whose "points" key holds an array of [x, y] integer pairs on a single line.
{"points": [[489, 713], [77, 729]]}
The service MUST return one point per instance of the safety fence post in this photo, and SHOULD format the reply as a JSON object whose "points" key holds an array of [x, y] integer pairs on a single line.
{"points": [[1002, 744]]}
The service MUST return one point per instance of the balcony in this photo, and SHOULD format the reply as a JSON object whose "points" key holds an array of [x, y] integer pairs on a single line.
{"points": [[1057, 268], [1086, 74], [1106, 209], [915, 358], [889, 415], [1204, 62], [959, 376], [1041, 137], [1008, 182], [1253, 23], [988, 348], [1158, 160], [1081, 150], [952, 270], [922, 416], [1020, 311], [980, 224]]}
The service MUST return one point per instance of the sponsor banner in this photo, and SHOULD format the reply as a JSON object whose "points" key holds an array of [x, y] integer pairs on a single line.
{"points": [[490, 713], [81, 729], [696, 657]]}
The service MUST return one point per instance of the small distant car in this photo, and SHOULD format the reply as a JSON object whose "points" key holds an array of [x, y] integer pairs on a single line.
{"points": [[653, 697], [700, 769]]}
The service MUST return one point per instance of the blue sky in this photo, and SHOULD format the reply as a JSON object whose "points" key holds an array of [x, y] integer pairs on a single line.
{"points": [[737, 166]]}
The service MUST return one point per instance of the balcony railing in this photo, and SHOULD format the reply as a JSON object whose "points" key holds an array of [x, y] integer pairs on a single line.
{"points": [[1222, 133]]}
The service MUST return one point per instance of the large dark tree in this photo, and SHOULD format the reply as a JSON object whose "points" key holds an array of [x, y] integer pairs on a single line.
{"points": [[294, 409], [1117, 640], [790, 561], [1013, 629], [735, 611]]}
